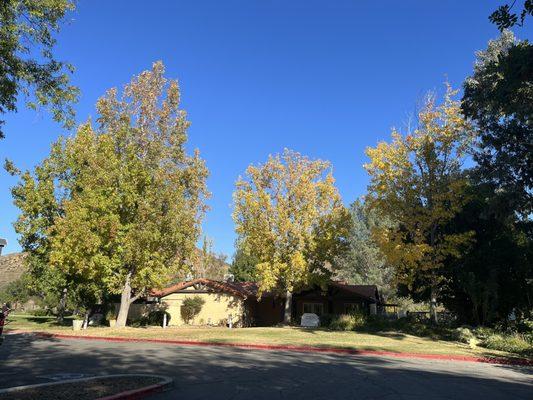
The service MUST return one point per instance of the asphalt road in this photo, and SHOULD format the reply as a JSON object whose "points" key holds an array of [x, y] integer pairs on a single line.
{"points": [[228, 373]]}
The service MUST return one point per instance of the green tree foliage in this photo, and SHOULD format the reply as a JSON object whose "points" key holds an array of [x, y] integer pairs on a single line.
{"points": [[120, 205], [363, 263], [26, 27], [416, 182], [504, 17], [494, 274], [243, 266], [40, 204], [498, 98], [17, 291]]}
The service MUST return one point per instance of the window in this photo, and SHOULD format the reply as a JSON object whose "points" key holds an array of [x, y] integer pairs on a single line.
{"points": [[314, 308], [350, 308]]}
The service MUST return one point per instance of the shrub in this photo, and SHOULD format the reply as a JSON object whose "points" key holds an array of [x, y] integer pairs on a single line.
{"points": [[512, 343], [525, 326], [326, 319], [41, 312], [154, 318], [376, 323], [191, 307], [463, 335], [110, 315], [348, 322]]}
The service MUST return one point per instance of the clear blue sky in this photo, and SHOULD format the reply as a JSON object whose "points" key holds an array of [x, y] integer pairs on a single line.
{"points": [[326, 78]]}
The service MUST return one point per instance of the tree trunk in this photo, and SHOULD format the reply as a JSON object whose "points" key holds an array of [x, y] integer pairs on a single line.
{"points": [[287, 316], [125, 302], [61, 306], [433, 306], [85, 320]]}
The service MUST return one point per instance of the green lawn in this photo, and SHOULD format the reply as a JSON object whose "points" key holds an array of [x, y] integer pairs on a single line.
{"points": [[383, 341], [35, 323]]}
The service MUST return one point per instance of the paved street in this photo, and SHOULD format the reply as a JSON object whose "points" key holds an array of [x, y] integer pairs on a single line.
{"points": [[226, 373]]}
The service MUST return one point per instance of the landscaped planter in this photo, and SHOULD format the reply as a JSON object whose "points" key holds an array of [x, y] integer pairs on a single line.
{"points": [[77, 324]]}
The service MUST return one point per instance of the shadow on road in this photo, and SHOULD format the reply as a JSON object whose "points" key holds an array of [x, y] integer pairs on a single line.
{"points": [[217, 372]]}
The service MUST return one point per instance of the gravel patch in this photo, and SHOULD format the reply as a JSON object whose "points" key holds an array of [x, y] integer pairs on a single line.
{"points": [[87, 390]]}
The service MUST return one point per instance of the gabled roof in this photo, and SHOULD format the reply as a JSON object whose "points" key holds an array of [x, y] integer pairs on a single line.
{"points": [[250, 289], [369, 292], [237, 289]]}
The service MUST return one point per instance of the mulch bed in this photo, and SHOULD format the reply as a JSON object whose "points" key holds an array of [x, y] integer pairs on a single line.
{"points": [[87, 390]]}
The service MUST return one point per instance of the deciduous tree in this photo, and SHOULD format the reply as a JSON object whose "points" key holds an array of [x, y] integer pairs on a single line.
{"points": [[416, 181], [498, 98], [126, 199], [494, 275], [505, 17], [27, 27], [289, 216]]}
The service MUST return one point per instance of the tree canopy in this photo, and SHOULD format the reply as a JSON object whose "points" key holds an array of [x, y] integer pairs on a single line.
{"points": [[505, 17], [289, 217], [498, 98], [492, 276], [120, 204], [416, 182], [27, 27], [363, 263]]}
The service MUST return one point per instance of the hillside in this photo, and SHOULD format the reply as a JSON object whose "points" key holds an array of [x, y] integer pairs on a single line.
{"points": [[11, 268]]}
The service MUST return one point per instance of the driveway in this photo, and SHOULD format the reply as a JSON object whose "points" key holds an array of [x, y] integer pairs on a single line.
{"points": [[229, 373]]}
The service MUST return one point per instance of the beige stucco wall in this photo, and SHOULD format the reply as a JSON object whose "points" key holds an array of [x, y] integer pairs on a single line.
{"points": [[216, 309]]}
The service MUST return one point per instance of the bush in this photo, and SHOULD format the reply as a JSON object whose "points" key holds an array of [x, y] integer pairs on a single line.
{"points": [[348, 322], [326, 319], [110, 315], [154, 318], [41, 312], [191, 307], [512, 343], [463, 335]]}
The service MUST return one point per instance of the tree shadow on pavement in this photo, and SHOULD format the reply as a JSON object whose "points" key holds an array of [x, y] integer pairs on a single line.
{"points": [[232, 373]]}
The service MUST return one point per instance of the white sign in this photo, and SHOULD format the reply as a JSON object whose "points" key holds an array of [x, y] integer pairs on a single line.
{"points": [[310, 320]]}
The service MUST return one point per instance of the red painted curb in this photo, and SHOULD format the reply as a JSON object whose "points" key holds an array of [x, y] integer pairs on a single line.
{"points": [[137, 393], [312, 349]]}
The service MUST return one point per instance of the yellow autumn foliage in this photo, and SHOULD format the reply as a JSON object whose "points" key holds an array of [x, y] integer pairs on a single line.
{"points": [[417, 182], [288, 214]]}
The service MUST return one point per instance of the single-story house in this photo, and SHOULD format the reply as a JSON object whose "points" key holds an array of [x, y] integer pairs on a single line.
{"points": [[239, 301]]}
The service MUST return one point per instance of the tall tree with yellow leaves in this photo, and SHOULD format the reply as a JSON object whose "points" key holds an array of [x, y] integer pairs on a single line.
{"points": [[417, 182], [289, 217]]}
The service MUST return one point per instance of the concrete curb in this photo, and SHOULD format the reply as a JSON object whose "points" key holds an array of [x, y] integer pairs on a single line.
{"points": [[142, 392], [309, 349], [165, 383]]}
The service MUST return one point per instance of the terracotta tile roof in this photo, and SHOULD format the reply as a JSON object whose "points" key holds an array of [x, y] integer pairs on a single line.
{"points": [[234, 288], [250, 289]]}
